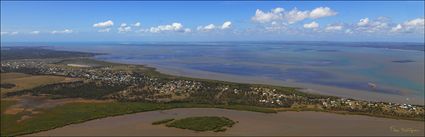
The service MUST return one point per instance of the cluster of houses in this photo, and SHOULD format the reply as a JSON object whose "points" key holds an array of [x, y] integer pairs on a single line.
{"points": [[145, 87]]}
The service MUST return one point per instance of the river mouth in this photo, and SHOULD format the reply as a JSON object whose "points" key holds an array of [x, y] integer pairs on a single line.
{"points": [[282, 123]]}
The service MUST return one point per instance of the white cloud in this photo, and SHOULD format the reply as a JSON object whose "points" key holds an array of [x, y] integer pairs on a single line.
{"points": [[410, 26], [295, 15], [264, 17], [363, 22], [211, 27], [418, 22], [226, 25], [292, 16], [311, 25], [35, 32], [124, 28], [4, 33], [322, 12], [174, 27], [334, 28], [206, 28], [397, 28], [371, 26], [278, 10], [105, 24], [137, 24], [65, 31]]}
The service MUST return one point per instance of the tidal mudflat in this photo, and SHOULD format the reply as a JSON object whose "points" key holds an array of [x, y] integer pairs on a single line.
{"points": [[249, 123]]}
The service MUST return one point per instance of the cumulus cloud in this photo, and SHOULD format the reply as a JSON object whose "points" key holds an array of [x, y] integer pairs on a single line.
{"points": [[295, 15], [210, 27], [397, 28], [418, 22], [226, 25], [383, 25], [291, 16], [124, 28], [137, 24], [377, 25], [104, 24], [263, 17], [322, 12], [311, 25], [35, 32], [363, 22], [65, 31], [206, 28], [410, 26], [174, 27]]}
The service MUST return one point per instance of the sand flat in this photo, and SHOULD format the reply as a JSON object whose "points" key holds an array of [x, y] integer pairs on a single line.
{"points": [[249, 123]]}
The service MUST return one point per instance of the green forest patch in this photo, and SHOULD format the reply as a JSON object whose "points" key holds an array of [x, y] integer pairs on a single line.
{"points": [[205, 123]]}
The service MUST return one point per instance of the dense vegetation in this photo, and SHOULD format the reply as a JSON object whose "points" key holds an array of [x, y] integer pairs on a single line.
{"points": [[207, 123], [10, 53], [7, 85], [81, 89]]}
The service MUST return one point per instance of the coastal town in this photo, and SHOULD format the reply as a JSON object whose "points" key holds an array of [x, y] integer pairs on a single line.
{"points": [[133, 83]]}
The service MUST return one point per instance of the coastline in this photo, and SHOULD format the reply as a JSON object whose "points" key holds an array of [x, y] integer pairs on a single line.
{"points": [[153, 71], [304, 87]]}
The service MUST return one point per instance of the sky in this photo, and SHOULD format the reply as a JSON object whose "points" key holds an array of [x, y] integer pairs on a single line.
{"points": [[100, 21]]}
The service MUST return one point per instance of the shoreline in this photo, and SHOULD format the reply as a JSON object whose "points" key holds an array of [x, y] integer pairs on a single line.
{"points": [[303, 87], [154, 72]]}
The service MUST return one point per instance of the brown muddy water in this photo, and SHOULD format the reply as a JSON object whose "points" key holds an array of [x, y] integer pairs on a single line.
{"points": [[249, 124]]}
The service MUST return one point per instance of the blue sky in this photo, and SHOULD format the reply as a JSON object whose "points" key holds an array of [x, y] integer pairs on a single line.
{"points": [[212, 21]]}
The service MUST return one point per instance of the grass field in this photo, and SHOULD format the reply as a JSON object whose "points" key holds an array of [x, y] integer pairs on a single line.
{"points": [[49, 118], [206, 123], [26, 81]]}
